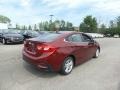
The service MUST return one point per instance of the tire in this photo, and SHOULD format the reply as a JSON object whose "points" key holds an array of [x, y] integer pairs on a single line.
{"points": [[67, 66], [97, 53], [4, 41]]}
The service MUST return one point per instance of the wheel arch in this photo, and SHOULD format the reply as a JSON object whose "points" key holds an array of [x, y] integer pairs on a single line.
{"points": [[98, 48]]}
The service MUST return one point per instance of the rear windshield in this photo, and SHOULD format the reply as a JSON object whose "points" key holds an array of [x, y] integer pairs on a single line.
{"points": [[48, 37]]}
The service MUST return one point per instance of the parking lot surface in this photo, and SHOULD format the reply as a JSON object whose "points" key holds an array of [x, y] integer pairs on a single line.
{"points": [[102, 73]]}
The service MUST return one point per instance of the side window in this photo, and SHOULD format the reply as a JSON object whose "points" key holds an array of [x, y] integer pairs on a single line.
{"points": [[86, 38], [75, 38]]}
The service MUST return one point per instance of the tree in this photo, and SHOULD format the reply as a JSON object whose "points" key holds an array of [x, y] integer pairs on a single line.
{"points": [[17, 26], [52, 26], [24, 27], [4, 19], [29, 27], [69, 26], [112, 28], [47, 26], [118, 21], [62, 25], [82, 27], [57, 24], [112, 24], [103, 29], [35, 27], [118, 25], [89, 24], [41, 27]]}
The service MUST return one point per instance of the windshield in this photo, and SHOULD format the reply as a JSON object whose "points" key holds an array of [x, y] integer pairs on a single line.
{"points": [[34, 33]]}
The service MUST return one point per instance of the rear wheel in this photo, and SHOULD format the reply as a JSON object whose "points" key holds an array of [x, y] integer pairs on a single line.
{"points": [[97, 53], [67, 66]]}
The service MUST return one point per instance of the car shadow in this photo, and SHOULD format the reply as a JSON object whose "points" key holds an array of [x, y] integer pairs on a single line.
{"points": [[39, 73], [11, 43]]}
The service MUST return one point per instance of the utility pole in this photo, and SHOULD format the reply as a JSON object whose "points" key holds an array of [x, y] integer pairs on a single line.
{"points": [[51, 23], [51, 17]]}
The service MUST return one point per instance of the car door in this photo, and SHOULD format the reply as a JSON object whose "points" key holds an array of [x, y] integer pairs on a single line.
{"points": [[79, 47], [90, 45]]}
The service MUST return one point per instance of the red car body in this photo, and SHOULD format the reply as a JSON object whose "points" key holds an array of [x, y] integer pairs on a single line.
{"points": [[50, 55]]}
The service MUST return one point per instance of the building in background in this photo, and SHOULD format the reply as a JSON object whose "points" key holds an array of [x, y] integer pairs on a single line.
{"points": [[3, 26]]}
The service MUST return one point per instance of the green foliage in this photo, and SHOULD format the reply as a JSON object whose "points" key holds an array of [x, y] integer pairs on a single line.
{"points": [[17, 26], [46, 25], [83, 27], [89, 24], [69, 26], [52, 26], [29, 27], [4, 19], [102, 29], [118, 21], [35, 27], [40, 26], [23, 27], [114, 28]]}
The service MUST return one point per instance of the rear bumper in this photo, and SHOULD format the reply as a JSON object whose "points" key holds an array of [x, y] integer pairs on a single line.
{"points": [[40, 64]]}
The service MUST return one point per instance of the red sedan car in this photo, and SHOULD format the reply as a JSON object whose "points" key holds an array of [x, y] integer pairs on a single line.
{"points": [[60, 51]]}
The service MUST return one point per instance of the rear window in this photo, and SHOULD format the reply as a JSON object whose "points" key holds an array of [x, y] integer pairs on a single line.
{"points": [[48, 37]]}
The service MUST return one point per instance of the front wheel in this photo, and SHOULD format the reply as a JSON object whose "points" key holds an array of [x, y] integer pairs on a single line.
{"points": [[3, 41], [97, 53], [67, 66]]}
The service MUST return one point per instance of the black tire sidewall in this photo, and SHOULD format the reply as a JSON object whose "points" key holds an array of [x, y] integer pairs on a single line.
{"points": [[4, 41]]}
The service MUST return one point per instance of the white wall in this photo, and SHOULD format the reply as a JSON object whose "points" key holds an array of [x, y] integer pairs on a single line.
{"points": [[3, 26]]}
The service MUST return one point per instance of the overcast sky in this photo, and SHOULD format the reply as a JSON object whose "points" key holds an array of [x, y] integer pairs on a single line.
{"points": [[34, 11]]}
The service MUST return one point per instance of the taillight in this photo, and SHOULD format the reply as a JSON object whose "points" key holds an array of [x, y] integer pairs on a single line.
{"points": [[45, 48]]}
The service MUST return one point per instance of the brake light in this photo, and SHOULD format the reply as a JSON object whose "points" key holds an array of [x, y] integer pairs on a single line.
{"points": [[45, 48]]}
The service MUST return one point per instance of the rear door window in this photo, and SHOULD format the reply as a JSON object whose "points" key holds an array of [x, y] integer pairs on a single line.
{"points": [[75, 38], [86, 38]]}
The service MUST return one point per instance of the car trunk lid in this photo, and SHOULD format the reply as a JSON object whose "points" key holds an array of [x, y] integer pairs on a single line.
{"points": [[30, 46]]}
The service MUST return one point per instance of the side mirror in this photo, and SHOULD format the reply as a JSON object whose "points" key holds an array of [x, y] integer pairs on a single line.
{"points": [[91, 42]]}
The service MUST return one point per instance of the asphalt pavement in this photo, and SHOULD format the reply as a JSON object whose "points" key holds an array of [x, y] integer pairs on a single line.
{"points": [[102, 73]]}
